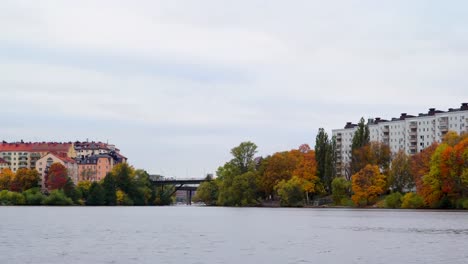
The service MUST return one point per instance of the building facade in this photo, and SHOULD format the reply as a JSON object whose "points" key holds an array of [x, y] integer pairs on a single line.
{"points": [[4, 164], [44, 163], [409, 133], [94, 167]]}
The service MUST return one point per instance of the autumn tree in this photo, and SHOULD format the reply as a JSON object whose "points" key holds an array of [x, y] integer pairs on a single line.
{"points": [[420, 166], [306, 170], [25, 179], [367, 185], [374, 153], [281, 166], [445, 178], [6, 177], [399, 176], [57, 176]]}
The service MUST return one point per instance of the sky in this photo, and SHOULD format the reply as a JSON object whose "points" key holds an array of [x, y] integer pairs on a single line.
{"points": [[177, 84]]}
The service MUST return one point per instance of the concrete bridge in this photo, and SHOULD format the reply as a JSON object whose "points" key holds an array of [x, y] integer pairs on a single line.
{"points": [[188, 185]]}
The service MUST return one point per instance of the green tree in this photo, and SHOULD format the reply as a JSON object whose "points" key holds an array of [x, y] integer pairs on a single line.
{"points": [[400, 178], [96, 195], [340, 190], [57, 197], [123, 174], [244, 156], [33, 196], [361, 138], [11, 198], [109, 186], [291, 192], [207, 192], [325, 155]]}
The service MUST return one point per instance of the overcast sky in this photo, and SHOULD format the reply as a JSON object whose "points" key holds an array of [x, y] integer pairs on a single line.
{"points": [[176, 84]]}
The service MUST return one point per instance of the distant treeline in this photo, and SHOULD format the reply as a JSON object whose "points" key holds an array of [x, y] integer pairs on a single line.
{"points": [[122, 186], [437, 177]]}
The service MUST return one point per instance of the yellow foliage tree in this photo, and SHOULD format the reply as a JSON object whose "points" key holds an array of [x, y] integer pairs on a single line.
{"points": [[367, 184]]}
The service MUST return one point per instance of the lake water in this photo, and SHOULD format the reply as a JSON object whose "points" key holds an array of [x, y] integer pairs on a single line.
{"points": [[183, 234]]}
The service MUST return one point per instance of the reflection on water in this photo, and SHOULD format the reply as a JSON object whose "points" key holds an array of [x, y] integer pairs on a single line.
{"points": [[230, 235]]}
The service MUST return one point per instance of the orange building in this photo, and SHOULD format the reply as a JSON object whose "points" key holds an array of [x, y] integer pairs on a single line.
{"points": [[95, 167]]}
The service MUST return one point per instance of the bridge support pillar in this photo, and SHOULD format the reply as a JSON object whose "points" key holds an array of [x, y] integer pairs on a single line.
{"points": [[189, 197]]}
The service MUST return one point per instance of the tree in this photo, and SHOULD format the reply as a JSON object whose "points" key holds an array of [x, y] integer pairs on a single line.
{"points": [[374, 153], [6, 177], [367, 184], [207, 193], [291, 192], [306, 170], [412, 201], [123, 174], [57, 176], [420, 166], [96, 195], [361, 136], [83, 188], [360, 139], [244, 156], [340, 190], [399, 176], [109, 186], [57, 197], [281, 166], [238, 190], [325, 156]]}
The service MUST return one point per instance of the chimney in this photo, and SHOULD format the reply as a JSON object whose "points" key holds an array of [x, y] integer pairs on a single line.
{"points": [[464, 106], [403, 116], [431, 111]]}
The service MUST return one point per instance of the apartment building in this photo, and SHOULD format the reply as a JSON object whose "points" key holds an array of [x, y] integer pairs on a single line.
{"points": [[409, 133], [25, 155], [94, 167], [4, 164], [44, 163]]}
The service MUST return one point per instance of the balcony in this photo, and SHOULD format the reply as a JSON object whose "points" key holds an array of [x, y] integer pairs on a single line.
{"points": [[413, 125]]}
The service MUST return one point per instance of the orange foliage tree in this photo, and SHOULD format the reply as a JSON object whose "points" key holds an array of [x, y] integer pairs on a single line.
{"points": [[284, 165], [56, 177], [6, 177], [420, 166], [374, 153], [367, 184]]}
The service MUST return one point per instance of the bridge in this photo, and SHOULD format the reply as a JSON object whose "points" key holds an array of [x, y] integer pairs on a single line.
{"points": [[188, 185]]}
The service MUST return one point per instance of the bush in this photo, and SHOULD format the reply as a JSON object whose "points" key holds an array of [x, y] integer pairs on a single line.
{"points": [[462, 203], [412, 201], [33, 196], [393, 200], [465, 204], [11, 198], [57, 197], [347, 202]]}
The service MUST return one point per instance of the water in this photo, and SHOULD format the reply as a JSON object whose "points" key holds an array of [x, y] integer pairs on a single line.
{"points": [[182, 234]]}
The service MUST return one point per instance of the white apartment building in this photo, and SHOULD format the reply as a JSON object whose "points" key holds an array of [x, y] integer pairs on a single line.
{"points": [[409, 133]]}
